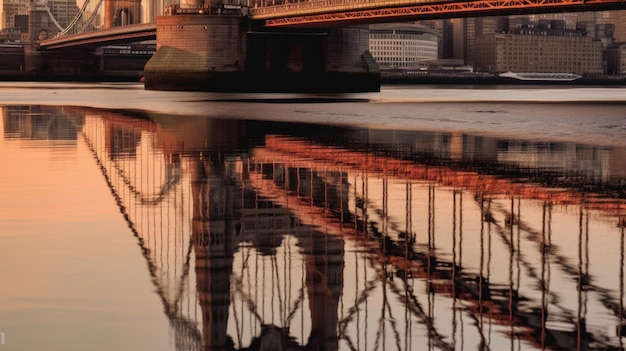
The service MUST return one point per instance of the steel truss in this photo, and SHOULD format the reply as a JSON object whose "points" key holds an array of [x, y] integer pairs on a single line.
{"points": [[300, 14]]}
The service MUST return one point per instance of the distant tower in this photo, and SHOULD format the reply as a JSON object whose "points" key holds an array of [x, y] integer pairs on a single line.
{"points": [[121, 13]]}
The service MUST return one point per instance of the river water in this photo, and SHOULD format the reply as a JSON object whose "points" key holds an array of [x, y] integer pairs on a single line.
{"points": [[417, 218]]}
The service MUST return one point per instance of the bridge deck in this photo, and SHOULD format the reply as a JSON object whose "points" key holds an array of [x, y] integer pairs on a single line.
{"points": [[124, 34]]}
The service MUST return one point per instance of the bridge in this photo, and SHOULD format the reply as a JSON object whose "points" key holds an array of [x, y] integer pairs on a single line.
{"points": [[307, 246], [345, 12], [316, 13], [317, 45]]}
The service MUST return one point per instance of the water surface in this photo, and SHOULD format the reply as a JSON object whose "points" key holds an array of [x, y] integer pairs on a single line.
{"points": [[443, 219]]}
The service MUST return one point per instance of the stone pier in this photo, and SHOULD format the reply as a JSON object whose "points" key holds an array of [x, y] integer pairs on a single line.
{"points": [[230, 53]]}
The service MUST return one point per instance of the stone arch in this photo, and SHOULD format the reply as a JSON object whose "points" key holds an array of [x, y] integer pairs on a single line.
{"points": [[123, 17], [43, 34], [121, 12]]}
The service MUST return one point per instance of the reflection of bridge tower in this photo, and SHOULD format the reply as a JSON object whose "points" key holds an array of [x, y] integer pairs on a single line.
{"points": [[324, 270], [220, 220], [121, 12], [324, 281], [215, 238]]}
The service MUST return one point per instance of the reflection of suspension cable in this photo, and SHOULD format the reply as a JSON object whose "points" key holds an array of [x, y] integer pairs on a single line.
{"points": [[431, 222], [481, 274], [583, 270], [511, 287], [621, 290], [181, 324], [385, 234], [409, 239], [544, 300], [356, 259], [366, 232], [461, 262], [281, 308], [518, 258], [489, 257], [454, 265], [580, 280]]}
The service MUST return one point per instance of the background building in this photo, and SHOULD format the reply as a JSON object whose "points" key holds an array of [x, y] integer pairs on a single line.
{"points": [[14, 13], [617, 18], [9, 9], [402, 45], [539, 49], [458, 38], [63, 11], [615, 58]]}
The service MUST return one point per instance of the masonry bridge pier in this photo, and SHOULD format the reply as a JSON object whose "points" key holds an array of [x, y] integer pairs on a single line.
{"points": [[233, 53]]}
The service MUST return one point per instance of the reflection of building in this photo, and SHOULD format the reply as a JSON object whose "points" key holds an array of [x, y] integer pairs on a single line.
{"points": [[567, 159], [39, 123], [402, 45]]}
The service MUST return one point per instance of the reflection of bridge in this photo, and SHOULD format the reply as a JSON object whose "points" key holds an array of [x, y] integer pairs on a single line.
{"points": [[229, 45], [281, 248]]}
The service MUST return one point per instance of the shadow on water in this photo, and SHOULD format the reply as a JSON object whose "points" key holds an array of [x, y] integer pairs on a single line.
{"points": [[317, 237], [301, 100]]}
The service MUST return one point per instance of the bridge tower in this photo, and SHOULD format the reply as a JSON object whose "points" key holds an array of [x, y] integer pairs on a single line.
{"points": [[121, 13], [40, 25]]}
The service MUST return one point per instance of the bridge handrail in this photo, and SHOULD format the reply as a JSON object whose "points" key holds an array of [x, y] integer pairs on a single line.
{"points": [[323, 6]]}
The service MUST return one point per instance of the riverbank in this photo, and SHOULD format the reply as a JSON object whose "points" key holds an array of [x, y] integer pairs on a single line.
{"points": [[419, 78], [387, 79]]}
